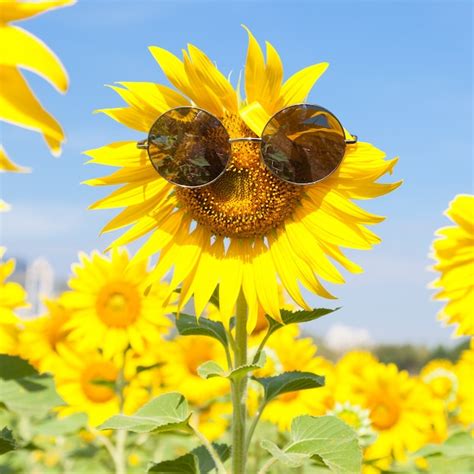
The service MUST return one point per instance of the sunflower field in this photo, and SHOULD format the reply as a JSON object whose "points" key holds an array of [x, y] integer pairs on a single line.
{"points": [[186, 345]]}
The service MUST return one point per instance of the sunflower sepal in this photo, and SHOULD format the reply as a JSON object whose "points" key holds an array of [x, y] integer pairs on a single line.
{"points": [[168, 412], [197, 461], [326, 440], [212, 369]]}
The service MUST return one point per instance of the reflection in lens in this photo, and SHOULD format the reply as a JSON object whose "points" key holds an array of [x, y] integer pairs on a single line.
{"points": [[189, 147], [303, 144]]}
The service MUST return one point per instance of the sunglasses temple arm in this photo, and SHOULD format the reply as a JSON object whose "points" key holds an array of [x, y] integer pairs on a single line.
{"points": [[142, 145], [351, 142], [245, 139]]}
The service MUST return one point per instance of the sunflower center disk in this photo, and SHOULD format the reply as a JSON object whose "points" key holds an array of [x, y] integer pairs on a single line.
{"points": [[247, 200], [118, 304], [95, 380]]}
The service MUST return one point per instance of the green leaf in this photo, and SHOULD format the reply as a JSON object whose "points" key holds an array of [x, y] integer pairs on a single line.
{"points": [[187, 464], [7, 442], [31, 395], [293, 317], [188, 325], [198, 461], [60, 427], [289, 382], [12, 368], [241, 371], [456, 454], [329, 438], [288, 459], [297, 317], [167, 412], [213, 369], [143, 368], [206, 463]]}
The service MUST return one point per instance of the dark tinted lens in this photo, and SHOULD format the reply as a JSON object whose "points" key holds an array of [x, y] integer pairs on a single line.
{"points": [[303, 144], [189, 147]]}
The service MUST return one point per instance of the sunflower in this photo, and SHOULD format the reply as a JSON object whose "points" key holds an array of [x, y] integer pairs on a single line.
{"points": [[180, 372], [248, 229], [402, 410], [110, 308], [464, 370], [454, 253], [356, 417], [442, 380], [22, 50], [12, 297], [81, 378], [282, 410], [41, 337]]}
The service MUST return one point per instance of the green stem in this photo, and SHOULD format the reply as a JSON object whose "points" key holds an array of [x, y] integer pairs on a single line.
{"points": [[261, 346], [239, 389], [215, 457], [255, 421], [121, 437], [267, 465]]}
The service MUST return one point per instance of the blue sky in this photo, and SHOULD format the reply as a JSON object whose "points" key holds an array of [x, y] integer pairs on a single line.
{"points": [[400, 76]]}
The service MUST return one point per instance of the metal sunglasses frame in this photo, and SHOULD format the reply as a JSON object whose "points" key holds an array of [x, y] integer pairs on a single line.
{"points": [[143, 144]]}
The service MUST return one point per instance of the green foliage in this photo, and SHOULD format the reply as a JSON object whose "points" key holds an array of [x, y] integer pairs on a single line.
{"points": [[213, 369], [288, 382], [296, 317], [198, 461], [23, 390], [60, 427], [7, 442], [188, 325], [326, 439], [168, 412], [12, 368]]}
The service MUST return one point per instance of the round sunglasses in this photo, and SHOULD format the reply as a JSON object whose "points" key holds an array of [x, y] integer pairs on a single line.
{"points": [[300, 144]]}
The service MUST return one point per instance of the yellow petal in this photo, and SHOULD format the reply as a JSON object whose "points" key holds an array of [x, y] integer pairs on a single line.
{"points": [[213, 78], [231, 280], [118, 154], [18, 48], [202, 93], [173, 69], [254, 70], [19, 106], [13, 10], [207, 273], [266, 280], [273, 77], [255, 117], [296, 89], [7, 165]]}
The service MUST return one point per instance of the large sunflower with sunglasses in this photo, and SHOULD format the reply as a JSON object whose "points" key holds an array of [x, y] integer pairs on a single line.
{"points": [[263, 191]]}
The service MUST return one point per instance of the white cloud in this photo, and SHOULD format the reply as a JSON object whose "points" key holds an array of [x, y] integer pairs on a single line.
{"points": [[342, 338]]}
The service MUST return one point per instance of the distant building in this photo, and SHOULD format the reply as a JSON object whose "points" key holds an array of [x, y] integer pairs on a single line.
{"points": [[39, 284]]}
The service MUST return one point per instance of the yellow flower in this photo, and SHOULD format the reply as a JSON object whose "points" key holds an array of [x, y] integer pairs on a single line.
{"points": [[402, 410], [248, 229], [465, 371], [442, 380], [301, 357], [180, 371], [80, 377], [12, 297], [111, 310], [454, 253], [214, 419], [41, 337], [22, 50]]}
